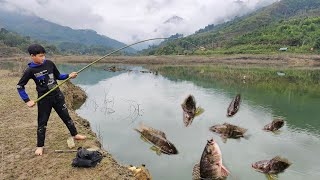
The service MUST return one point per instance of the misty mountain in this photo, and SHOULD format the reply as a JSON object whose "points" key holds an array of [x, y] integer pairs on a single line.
{"points": [[174, 20], [41, 29], [286, 23]]}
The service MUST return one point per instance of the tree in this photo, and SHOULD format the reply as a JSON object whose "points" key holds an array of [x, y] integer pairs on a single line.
{"points": [[317, 43]]}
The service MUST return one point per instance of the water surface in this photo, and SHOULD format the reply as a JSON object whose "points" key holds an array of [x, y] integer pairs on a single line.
{"points": [[118, 102]]}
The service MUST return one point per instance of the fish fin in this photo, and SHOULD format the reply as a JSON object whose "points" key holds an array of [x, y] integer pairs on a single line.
{"points": [[143, 139], [224, 138], [159, 153], [154, 148], [272, 176], [196, 172], [276, 132], [199, 111], [224, 171], [278, 158]]}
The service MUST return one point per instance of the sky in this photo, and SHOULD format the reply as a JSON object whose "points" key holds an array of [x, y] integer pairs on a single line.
{"points": [[130, 21]]}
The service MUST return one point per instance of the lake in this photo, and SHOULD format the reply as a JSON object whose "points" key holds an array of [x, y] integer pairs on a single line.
{"points": [[119, 102]]}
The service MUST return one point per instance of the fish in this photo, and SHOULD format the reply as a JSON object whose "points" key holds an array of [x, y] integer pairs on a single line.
{"points": [[274, 125], [158, 139], [210, 165], [227, 130], [274, 166], [234, 106], [190, 111]]}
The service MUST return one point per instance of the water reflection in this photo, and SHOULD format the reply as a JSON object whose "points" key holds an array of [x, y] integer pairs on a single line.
{"points": [[118, 102]]}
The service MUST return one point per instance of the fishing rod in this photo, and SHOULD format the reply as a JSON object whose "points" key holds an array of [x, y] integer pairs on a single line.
{"points": [[44, 95], [79, 71]]}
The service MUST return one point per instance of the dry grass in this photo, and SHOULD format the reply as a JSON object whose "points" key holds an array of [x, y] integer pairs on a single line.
{"points": [[251, 60]]}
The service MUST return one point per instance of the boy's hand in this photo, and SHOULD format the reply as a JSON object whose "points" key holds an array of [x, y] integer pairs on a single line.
{"points": [[30, 103], [73, 75]]}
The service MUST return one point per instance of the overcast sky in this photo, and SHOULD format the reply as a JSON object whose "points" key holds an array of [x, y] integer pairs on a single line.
{"points": [[132, 20]]}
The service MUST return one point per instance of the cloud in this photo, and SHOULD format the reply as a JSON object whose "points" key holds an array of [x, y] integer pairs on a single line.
{"points": [[129, 21]]}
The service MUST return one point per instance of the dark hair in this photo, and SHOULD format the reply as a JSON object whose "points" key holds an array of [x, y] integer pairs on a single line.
{"points": [[35, 49]]}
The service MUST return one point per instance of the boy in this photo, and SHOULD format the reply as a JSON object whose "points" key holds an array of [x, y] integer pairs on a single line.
{"points": [[44, 73]]}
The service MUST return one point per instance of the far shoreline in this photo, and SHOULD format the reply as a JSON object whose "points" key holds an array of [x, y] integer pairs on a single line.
{"points": [[282, 60]]}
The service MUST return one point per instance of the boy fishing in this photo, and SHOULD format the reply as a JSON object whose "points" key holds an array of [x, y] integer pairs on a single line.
{"points": [[45, 75]]}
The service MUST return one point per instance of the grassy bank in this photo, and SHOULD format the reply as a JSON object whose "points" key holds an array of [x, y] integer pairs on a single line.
{"points": [[252, 60], [281, 80]]}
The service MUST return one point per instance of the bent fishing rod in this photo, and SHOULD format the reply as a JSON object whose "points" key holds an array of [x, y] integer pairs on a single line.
{"points": [[44, 95]]}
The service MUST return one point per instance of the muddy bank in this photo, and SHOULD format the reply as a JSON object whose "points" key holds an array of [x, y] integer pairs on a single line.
{"points": [[248, 60], [18, 139]]}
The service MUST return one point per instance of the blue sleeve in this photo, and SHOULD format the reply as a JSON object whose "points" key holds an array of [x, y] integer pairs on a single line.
{"points": [[24, 96], [20, 86], [63, 76], [57, 74]]}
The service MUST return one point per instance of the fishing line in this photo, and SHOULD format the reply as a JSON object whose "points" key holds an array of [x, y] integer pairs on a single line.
{"points": [[79, 71], [41, 97]]}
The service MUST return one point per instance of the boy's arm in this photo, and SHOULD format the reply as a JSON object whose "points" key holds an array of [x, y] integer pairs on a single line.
{"points": [[57, 74], [20, 86]]}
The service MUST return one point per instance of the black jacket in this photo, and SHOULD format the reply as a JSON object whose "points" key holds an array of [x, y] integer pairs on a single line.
{"points": [[45, 76]]}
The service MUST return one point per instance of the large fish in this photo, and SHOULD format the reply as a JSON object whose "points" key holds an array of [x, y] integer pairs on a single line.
{"points": [[274, 125], [158, 139], [190, 110], [210, 166], [227, 130], [271, 167], [234, 106]]}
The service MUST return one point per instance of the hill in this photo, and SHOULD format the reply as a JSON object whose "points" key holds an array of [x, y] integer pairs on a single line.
{"points": [[61, 36], [288, 23]]}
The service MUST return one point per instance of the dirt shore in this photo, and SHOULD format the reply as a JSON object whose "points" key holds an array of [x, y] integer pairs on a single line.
{"points": [[18, 139], [275, 60], [278, 60]]}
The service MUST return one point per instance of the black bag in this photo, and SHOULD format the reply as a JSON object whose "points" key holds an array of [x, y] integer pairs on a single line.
{"points": [[85, 158]]}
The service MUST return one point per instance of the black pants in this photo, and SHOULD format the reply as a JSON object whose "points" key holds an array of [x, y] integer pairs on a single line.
{"points": [[44, 109]]}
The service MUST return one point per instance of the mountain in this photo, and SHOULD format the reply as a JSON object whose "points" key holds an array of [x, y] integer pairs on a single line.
{"points": [[41, 29], [286, 23], [174, 20], [12, 44]]}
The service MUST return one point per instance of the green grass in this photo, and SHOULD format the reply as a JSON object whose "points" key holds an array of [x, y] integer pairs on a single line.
{"points": [[299, 81], [288, 23]]}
